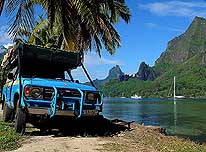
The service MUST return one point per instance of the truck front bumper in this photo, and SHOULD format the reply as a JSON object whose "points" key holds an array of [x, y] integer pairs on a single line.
{"points": [[45, 111]]}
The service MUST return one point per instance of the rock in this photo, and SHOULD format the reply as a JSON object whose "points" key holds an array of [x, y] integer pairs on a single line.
{"points": [[157, 129], [115, 73], [124, 77], [145, 72], [187, 45]]}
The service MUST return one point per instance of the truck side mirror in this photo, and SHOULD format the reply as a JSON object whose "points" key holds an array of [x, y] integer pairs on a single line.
{"points": [[10, 76]]}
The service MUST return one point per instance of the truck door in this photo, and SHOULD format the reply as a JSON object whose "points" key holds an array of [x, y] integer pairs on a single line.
{"points": [[9, 83], [7, 87]]}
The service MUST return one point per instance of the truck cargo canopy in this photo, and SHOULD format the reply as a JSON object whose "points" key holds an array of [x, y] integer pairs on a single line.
{"points": [[45, 57]]}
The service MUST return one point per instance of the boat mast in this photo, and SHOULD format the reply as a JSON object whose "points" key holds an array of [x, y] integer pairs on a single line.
{"points": [[174, 87]]}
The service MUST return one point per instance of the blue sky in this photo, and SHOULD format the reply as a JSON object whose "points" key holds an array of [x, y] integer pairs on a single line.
{"points": [[153, 24]]}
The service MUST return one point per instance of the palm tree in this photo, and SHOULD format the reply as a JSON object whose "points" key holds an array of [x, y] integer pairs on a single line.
{"points": [[82, 23], [40, 34]]}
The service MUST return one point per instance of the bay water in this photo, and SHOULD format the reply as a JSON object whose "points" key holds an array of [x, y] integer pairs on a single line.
{"points": [[183, 118]]}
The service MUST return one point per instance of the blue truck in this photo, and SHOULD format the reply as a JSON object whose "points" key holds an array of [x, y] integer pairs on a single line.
{"points": [[40, 85]]}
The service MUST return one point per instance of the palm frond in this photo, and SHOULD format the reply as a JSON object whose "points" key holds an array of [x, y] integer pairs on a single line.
{"points": [[21, 16], [1, 5], [84, 24], [41, 25]]}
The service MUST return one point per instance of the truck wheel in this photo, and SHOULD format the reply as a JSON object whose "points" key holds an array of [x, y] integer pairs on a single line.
{"points": [[20, 120], [7, 112]]}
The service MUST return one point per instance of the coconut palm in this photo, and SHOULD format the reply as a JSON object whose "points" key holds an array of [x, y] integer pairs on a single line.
{"points": [[40, 34], [83, 24]]}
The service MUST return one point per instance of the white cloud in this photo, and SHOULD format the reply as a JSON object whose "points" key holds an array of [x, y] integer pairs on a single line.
{"points": [[92, 60], [159, 27], [8, 45], [151, 25], [4, 37], [80, 75], [176, 8], [174, 29], [97, 67]]}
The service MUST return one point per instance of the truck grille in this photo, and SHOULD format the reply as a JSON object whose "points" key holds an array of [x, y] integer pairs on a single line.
{"points": [[68, 98], [48, 93], [69, 93]]}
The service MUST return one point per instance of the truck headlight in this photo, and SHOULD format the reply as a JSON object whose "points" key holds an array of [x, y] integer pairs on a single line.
{"points": [[36, 92], [90, 96], [93, 98]]}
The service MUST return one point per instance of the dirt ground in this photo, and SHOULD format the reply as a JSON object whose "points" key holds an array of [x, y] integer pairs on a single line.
{"points": [[77, 138], [62, 144], [102, 135]]}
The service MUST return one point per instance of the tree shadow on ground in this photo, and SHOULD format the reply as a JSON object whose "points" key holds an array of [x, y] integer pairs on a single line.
{"points": [[85, 127]]}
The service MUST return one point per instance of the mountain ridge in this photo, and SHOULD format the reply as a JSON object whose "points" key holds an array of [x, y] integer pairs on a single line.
{"points": [[185, 46], [184, 57], [114, 73]]}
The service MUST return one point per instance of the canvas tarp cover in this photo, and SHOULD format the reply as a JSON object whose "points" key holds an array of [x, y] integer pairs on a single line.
{"points": [[33, 54]]}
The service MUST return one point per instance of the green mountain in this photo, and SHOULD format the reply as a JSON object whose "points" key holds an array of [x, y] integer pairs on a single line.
{"points": [[145, 72], [187, 45], [185, 58]]}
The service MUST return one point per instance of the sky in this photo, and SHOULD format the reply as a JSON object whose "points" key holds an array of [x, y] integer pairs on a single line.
{"points": [[153, 23]]}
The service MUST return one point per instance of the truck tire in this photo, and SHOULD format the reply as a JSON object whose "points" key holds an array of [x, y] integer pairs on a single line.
{"points": [[20, 121], [7, 112]]}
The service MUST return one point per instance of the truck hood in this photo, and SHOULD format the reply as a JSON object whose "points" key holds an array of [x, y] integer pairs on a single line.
{"points": [[56, 83]]}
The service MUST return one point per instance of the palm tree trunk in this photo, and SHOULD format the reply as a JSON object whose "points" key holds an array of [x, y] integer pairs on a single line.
{"points": [[60, 41]]}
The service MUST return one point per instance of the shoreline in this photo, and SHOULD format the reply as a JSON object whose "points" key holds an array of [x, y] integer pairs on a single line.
{"points": [[120, 137], [150, 138], [168, 99]]}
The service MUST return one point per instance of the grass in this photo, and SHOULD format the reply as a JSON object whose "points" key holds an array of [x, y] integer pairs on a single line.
{"points": [[140, 139], [148, 140], [9, 140], [171, 144], [114, 147]]}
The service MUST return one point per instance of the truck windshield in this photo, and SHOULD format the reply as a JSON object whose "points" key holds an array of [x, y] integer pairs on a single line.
{"points": [[42, 72]]}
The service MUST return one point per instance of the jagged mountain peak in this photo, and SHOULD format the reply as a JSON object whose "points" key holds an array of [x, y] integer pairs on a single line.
{"points": [[198, 19], [187, 45], [145, 72], [197, 27], [115, 72]]}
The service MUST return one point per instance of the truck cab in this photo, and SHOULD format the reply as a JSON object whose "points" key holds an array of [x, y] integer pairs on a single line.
{"points": [[39, 83]]}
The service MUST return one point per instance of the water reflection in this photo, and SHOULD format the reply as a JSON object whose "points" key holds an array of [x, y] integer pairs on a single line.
{"points": [[185, 118], [175, 115]]}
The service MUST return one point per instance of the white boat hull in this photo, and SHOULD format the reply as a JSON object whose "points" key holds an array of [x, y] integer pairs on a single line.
{"points": [[136, 97]]}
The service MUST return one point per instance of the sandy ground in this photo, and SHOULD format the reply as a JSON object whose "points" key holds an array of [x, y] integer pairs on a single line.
{"points": [[101, 135], [62, 144], [104, 135], [50, 143]]}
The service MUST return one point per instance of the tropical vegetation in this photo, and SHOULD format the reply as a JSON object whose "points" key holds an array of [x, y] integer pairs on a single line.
{"points": [[80, 25], [9, 139], [184, 58], [190, 82]]}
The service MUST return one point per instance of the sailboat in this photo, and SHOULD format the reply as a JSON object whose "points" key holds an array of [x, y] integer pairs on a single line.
{"points": [[174, 95], [122, 96]]}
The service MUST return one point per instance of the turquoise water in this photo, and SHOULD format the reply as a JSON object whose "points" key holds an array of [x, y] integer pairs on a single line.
{"points": [[183, 118]]}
